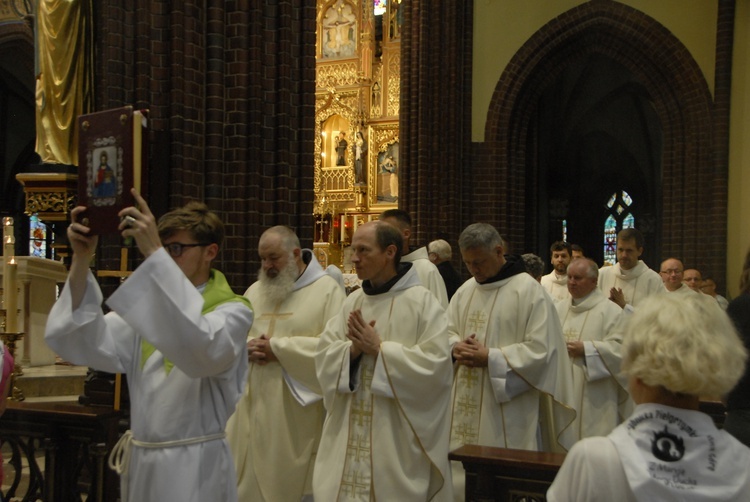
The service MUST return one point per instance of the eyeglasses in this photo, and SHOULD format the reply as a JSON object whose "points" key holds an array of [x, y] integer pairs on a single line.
{"points": [[175, 248], [671, 271]]}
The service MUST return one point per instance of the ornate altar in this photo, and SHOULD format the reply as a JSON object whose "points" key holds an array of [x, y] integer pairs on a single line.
{"points": [[356, 119]]}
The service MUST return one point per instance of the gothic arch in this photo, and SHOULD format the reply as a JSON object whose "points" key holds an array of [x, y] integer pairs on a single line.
{"points": [[679, 94]]}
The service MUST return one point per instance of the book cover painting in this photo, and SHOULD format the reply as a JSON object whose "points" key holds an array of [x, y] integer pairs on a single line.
{"points": [[111, 161]]}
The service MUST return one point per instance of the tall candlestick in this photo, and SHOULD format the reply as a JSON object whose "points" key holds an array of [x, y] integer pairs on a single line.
{"points": [[7, 226], [11, 297], [343, 227], [8, 252]]}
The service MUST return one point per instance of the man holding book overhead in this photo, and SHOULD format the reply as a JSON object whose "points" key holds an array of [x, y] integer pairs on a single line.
{"points": [[177, 330]]}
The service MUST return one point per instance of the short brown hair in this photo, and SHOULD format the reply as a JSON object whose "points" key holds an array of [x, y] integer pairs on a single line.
{"points": [[195, 217]]}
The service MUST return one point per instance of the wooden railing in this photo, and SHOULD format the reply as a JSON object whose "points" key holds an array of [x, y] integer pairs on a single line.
{"points": [[74, 440], [506, 475]]}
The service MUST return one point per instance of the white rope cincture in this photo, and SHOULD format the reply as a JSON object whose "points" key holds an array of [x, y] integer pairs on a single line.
{"points": [[119, 458]]}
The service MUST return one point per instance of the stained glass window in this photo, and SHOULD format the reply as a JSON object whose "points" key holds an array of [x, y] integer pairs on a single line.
{"points": [[610, 241], [37, 237], [620, 216], [629, 221], [379, 7], [565, 230]]}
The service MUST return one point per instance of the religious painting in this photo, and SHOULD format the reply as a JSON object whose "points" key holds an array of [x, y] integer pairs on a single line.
{"points": [[339, 30], [104, 181], [384, 166]]}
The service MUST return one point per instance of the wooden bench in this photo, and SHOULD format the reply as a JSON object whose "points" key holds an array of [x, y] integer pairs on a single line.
{"points": [[506, 475]]}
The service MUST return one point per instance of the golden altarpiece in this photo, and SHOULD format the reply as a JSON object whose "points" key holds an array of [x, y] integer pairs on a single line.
{"points": [[356, 119]]}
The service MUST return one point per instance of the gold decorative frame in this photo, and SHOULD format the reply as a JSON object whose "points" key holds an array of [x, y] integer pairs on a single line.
{"points": [[335, 182], [383, 140]]}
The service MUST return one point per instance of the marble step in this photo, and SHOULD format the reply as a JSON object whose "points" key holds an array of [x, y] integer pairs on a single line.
{"points": [[53, 381]]}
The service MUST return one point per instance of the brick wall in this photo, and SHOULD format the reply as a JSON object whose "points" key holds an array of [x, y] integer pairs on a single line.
{"points": [[230, 89]]}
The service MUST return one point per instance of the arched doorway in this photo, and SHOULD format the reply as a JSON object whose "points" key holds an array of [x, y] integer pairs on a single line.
{"points": [[600, 147], [662, 82]]}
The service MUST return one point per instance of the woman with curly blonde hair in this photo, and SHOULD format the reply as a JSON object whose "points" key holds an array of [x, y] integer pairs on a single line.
{"points": [[675, 350]]}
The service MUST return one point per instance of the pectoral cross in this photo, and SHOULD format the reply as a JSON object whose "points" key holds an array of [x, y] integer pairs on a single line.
{"points": [[274, 317]]}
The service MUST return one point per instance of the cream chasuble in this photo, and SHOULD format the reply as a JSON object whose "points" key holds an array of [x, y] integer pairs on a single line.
{"points": [[276, 428], [556, 286], [601, 399], [500, 405], [386, 433], [637, 283], [428, 274]]}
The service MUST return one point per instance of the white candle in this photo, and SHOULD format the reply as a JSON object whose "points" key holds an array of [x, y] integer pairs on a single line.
{"points": [[356, 222], [343, 227], [369, 217], [11, 297], [8, 248]]}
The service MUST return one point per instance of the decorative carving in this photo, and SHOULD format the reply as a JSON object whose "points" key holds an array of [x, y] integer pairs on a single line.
{"points": [[383, 137], [376, 109], [394, 84], [51, 202], [337, 74], [51, 196]]}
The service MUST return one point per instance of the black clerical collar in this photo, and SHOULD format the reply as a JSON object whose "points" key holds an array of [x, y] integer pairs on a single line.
{"points": [[514, 265], [368, 288]]}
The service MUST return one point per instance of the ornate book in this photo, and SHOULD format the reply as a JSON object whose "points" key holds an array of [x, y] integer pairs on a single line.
{"points": [[111, 160]]}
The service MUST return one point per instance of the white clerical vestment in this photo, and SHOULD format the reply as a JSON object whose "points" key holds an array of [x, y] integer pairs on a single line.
{"points": [[528, 363], [428, 273], [386, 433], [184, 388], [682, 291], [658, 453], [274, 433], [603, 399], [637, 283], [556, 286]]}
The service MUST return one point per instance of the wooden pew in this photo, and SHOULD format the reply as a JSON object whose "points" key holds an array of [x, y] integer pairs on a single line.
{"points": [[506, 475]]}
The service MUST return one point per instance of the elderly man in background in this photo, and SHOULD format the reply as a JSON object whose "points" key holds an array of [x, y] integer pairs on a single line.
{"points": [[692, 277], [671, 272], [589, 324], [534, 265], [440, 253]]}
